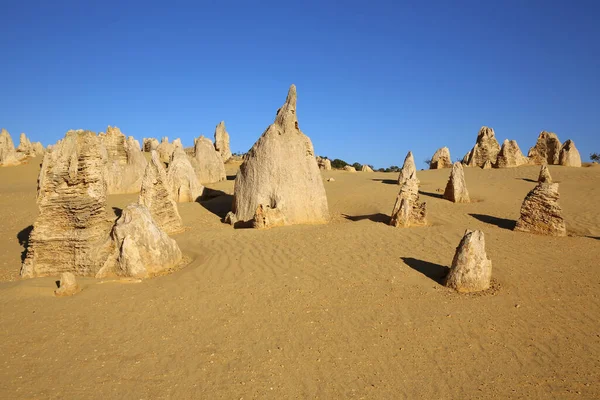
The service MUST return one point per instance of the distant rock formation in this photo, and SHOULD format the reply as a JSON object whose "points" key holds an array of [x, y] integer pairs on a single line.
{"points": [[8, 154], [126, 163], [366, 168], [68, 285], [165, 150], [182, 177], [150, 144], [324, 163], [280, 173], [71, 232], [486, 149], [546, 150], [510, 155], [349, 168], [157, 196], [38, 149], [177, 144], [25, 146], [222, 141], [408, 210], [456, 188], [207, 162], [441, 159], [544, 176], [471, 269], [540, 212], [408, 169], [569, 155]]}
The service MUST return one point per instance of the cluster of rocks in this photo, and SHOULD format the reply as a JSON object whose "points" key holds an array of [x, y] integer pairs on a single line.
{"points": [[11, 156]]}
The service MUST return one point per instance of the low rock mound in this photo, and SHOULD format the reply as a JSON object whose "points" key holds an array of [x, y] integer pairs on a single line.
{"points": [[67, 286], [366, 168], [471, 269], [408, 169], [324, 163], [349, 168]]}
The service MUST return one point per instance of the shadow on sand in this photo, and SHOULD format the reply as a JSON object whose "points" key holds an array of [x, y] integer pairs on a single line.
{"points": [[431, 270], [528, 180], [499, 222], [216, 201], [378, 217], [594, 237], [23, 238], [431, 194], [387, 181], [231, 177]]}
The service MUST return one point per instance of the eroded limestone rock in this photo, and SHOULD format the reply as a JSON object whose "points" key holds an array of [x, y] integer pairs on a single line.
{"points": [[441, 159], [349, 168], [546, 149], [471, 269], [408, 169], [182, 178], [486, 149], [324, 163], [510, 155], [222, 141], [126, 162], [366, 168], [456, 188], [150, 144], [8, 154], [569, 155], [544, 176], [408, 210], [68, 285], [541, 213]]}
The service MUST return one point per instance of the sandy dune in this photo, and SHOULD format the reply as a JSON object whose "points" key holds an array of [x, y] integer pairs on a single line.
{"points": [[352, 309]]}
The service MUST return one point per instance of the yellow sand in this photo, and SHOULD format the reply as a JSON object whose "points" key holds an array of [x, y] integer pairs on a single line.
{"points": [[352, 309]]}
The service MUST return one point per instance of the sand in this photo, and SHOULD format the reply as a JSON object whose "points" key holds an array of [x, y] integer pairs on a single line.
{"points": [[352, 309]]}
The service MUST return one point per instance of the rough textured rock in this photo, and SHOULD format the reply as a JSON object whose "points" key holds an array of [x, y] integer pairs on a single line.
{"points": [[71, 232], [540, 212], [177, 144], [280, 172], [456, 188], [222, 141], [487, 165], [366, 168], [25, 146], [68, 285], [324, 163], [126, 162], [38, 149], [546, 149], [207, 162], [441, 159], [150, 144], [143, 248], [471, 269], [544, 176], [266, 217], [165, 150], [182, 178], [408, 210], [349, 168], [569, 155], [510, 155], [486, 149], [157, 196], [408, 169], [8, 154]]}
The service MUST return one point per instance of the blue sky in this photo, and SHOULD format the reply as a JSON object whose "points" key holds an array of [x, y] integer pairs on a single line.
{"points": [[375, 79]]}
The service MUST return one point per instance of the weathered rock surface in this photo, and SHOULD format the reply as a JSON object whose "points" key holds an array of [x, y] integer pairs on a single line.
{"points": [[486, 149], [441, 159], [324, 163], [544, 176], [157, 196], [165, 150], [8, 154], [456, 188], [207, 162], [38, 149], [366, 168], [540, 212], [71, 232], [280, 172], [182, 178], [68, 285], [510, 155], [487, 165], [408, 210], [408, 169], [25, 146], [126, 162], [266, 217], [471, 269], [569, 155], [222, 141], [150, 144], [546, 149], [349, 168]]}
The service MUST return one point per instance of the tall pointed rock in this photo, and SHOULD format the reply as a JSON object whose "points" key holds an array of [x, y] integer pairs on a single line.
{"points": [[408, 169], [546, 149], [544, 176], [569, 155], [222, 141], [408, 210], [207, 162], [486, 149], [471, 269], [456, 188], [8, 154]]}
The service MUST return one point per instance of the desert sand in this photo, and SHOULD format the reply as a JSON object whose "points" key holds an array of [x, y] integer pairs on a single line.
{"points": [[350, 309]]}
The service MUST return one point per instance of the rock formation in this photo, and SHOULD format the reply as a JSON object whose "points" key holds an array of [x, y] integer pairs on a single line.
{"points": [[150, 144], [540, 212], [546, 150], [38, 149], [324, 163], [569, 155], [165, 150], [68, 285], [456, 188], [408, 210], [280, 172], [544, 176], [266, 217], [349, 168], [8, 154], [486, 149], [207, 162], [157, 196], [408, 169], [366, 168], [441, 159], [25, 146], [222, 141], [126, 163], [510, 155], [471, 269], [182, 178], [487, 165], [71, 232]]}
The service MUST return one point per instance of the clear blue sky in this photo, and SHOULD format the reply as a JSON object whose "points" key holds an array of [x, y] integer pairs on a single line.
{"points": [[374, 78]]}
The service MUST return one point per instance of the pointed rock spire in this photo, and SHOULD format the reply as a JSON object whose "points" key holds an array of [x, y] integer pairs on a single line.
{"points": [[486, 149], [510, 155], [456, 188], [408, 169], [569, 155], [408, 210], [540, 212], [546, 149], [222, 141], [471, 269], [544, 176], [441, 159]]}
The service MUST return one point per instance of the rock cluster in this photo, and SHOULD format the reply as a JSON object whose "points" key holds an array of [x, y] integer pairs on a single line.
{"points": [[510, 155], [207, 162], [8, 154], [280, 175], [324, 163], [546, 149], [441, 159], [222, 141], [456, 188], [408, 210], [182, 178], [408, 169], [569, 155], [541, 213], [471, 269], [126, 162], [486, 149]]}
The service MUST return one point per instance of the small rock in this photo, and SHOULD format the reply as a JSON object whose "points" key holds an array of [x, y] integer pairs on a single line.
{"points": [[68, 285], [330, 180]]}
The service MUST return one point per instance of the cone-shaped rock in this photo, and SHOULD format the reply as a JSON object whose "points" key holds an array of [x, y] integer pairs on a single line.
{"points": [[456, 188], [280, 172], [441, 159], [182, 177], [150, 144], [486, 149], [540, 212], [38, 149], [487, 165], [471, 269], [569, 155], [349, 168], [68, 285], [71, 232], [207, 162], [366, 168], [544, 176], [25, 146], [510, 155], [408, 210], [546, 149], [8, 154], [408, 169], [324, 163], [157, 196], [222, 141]]}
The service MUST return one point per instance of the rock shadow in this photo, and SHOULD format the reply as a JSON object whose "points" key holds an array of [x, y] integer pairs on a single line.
{"points": [[231, 177], [378, 217], [594, 237], [118, 211], [216, 201], [387, 181], [499, 222], [528, 180], [431, 270], [23, 238], [432, 194]]}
